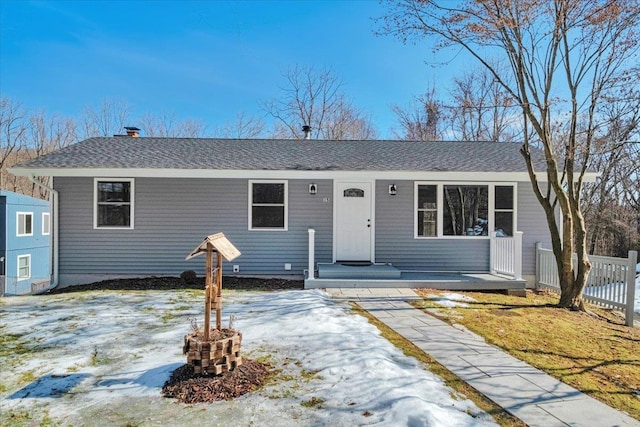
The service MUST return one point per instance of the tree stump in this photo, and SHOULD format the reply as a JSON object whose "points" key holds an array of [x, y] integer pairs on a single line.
{"points": [[220, 354]]}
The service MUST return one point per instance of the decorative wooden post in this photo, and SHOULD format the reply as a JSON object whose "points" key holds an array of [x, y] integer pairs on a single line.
{"points": [[207, 292], [222, 353]]}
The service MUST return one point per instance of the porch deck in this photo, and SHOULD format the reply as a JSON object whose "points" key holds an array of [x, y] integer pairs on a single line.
{"points": [[386, 276]]}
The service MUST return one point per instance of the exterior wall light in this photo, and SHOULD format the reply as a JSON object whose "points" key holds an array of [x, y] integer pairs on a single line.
{"points": [[393, 190], [313, 189]]}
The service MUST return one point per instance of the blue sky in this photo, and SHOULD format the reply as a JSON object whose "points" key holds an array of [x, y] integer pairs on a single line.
{"points": [[204, 60]]}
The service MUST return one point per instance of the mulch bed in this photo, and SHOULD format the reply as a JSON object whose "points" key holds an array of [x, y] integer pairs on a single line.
{"points": [[188, 387], [164, 283]]}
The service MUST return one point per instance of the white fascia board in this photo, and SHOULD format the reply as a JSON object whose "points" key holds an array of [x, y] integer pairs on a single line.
{"points": [[283, 174]]}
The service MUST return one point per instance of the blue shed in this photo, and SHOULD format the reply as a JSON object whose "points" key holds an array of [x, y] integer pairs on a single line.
{"points": [[25, 244]]}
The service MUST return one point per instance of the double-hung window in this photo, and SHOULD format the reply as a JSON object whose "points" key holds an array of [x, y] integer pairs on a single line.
{"points": [[464, 209], [268, 205], [503, 210], [427, 210], [24, 222], [24, 267], [113, 203]]}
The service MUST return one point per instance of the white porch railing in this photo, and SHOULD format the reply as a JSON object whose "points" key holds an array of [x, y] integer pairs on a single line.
{"points": [[611, 281], [506, 255], [311, 272]]}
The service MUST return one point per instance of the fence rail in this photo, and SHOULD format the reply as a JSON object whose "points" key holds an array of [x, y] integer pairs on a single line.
{"points": [[611, 281]]}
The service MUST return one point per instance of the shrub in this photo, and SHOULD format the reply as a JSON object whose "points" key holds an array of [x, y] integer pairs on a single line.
{"points": [[188, 277]]}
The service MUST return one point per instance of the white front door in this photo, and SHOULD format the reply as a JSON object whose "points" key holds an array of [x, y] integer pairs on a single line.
{"points": [[353, 221]]}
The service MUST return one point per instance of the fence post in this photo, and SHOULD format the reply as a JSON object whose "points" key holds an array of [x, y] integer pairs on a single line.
{"points": [[631, 287], [517, 262], [538, 266], [312, 245], [492, 252]]}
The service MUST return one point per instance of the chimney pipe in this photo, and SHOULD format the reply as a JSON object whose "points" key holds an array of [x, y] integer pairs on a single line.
{"points": [[132, 131], [307, 131]]}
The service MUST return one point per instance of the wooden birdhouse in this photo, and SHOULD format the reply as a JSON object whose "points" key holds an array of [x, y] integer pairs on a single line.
{"points": [[213, 351]]}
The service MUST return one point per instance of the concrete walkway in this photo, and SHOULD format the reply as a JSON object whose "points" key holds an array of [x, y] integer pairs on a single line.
{"points": [[525, 392]]}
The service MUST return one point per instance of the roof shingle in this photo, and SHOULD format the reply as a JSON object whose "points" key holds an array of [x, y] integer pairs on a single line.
{"points": [[272, 154]]}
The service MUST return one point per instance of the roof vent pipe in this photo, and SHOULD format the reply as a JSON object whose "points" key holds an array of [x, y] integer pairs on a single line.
{"points": [[132, 131], [307, 131]]}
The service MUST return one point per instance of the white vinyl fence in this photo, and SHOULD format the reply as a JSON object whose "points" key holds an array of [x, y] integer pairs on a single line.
{"points": [[611, 281], [506, 255]]}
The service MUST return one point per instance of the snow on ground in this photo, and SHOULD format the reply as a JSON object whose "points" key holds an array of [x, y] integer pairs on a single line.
{"points": [[616, 292], [102, 358], [452, 300]]}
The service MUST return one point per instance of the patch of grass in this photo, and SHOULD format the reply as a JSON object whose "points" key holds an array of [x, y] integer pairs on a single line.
{"points": [[13, 345], [168, 315], [501, 417], [26, 377], [98, 358], [593, 352], [312, 403]]}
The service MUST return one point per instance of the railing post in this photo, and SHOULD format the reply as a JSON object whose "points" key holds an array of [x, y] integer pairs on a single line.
{"points": [[312, 245], [538, 266], [631, 287], [492, 252], [517, 262]]}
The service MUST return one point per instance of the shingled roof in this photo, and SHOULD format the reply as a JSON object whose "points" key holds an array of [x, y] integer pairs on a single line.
{"points": [[277, 154]]}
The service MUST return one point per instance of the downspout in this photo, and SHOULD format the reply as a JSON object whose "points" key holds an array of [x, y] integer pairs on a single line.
{"points": [[54, 236]]}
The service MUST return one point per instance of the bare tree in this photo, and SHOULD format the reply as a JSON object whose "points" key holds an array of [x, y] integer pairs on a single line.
{"points": [[165, 125], [564, 57], [481, 110], [421, 120], [12, 130], [13, 126], [46, 134], [109, 119], [243, 127], [610, 205], [346, 121], [313, 98]]}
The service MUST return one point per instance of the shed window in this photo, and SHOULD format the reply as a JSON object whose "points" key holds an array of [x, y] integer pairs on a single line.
{"points": [[268, 205], [24, 267], [46, 223], [24, 222], [114, 203]]}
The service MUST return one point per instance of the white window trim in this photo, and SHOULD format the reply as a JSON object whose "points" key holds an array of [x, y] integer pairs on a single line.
{"points": [[18, 267], [493, 210], [440, 205], [286, 203], [46, 223], [95, 203], [18, 215]]}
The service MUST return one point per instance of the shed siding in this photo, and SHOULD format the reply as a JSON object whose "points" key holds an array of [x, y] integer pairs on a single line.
{"points": [[3, 225], [395, 242], [37, 246], [173, 215]]}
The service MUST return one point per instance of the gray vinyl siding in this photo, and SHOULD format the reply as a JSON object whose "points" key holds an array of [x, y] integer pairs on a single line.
{"points": [[395, 242], [533, 224], [172, 216]]}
